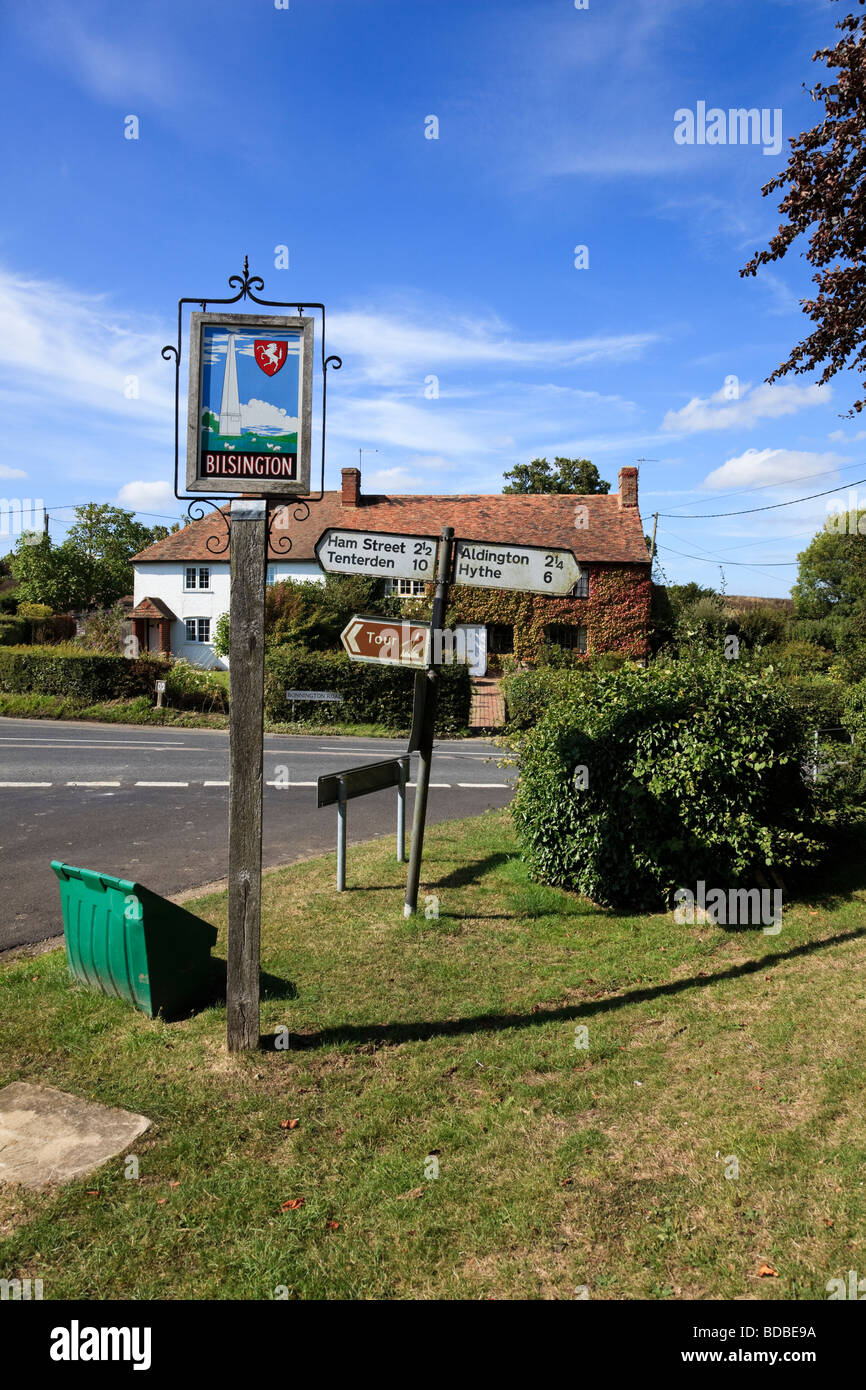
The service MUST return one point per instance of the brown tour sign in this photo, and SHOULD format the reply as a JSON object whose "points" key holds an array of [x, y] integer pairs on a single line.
{"points": [[387, 642]]}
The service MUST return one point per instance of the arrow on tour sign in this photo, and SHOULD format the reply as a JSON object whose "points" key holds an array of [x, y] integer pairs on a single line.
{"points": [[533, 569], [387, 642]]}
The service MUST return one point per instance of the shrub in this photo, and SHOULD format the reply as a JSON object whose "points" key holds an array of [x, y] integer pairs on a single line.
{"points": [[798, 657], [13, 632], [854, 711], [222, 635], [819, 699], [34, 610], [371, 693], [66, 670], [759, 626], [693, 772], [107, 630], [529, 693], [194, 687]]}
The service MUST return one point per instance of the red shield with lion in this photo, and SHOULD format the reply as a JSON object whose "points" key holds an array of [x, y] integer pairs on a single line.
{"points": [[270, 355]]}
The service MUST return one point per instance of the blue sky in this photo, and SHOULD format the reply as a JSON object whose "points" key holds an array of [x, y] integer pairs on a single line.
{"points": [[449, 258]]}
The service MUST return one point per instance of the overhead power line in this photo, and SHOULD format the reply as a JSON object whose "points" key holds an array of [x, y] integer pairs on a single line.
{"points": [[770, 506], [744, 563], [762, 487]]}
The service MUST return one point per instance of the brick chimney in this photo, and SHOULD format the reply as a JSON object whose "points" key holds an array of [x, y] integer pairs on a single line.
{"points": [[627, 487], [351, 487]]}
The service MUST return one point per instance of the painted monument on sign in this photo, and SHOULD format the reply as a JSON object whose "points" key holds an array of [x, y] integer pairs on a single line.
{"points": [[249, 404]]}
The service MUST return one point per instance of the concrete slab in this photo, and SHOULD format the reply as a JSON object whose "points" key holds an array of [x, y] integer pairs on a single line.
{"points": [[49, 1136]]}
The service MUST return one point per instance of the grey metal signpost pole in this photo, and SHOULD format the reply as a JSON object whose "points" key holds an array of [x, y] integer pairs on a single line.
{"points": [[246, 743], [428, 723], [341, 837], [401, 810]]}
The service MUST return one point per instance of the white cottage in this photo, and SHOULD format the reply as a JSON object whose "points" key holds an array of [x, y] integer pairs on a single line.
{"points": [[182, 585]]}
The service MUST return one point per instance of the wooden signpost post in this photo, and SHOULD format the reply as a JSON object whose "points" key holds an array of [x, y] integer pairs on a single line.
{"points": [[246, 754], [248, 433]]}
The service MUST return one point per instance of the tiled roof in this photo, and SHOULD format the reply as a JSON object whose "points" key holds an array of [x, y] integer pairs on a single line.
{"points": [[152, 608], [613, 534]]}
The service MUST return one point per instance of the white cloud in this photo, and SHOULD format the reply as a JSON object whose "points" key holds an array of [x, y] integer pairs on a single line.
{"points": [[717, 412], [262, 415], [388, 478], [11, 472], [141, 496], [127, 68], [387, 347], [758, 467], [61, 347], [840, 437]]}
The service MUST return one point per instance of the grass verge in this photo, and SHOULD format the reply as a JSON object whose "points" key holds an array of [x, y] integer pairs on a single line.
{"points": [[142, 711], [455, 1042]]}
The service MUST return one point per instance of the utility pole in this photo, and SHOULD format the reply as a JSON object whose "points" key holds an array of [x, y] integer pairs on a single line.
{"points": [[653, 545], [427, 722]]}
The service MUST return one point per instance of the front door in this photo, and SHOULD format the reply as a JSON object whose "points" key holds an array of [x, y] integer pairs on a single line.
{"points": [[475, 636]]}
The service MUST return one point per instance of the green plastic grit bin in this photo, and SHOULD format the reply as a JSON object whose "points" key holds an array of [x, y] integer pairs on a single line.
{"points": [[126, 941]]}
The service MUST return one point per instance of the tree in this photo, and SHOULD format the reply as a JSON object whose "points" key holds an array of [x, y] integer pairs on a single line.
{"points": [[563, 475], [57, 575], [91, 567], [832, 576], [108, 537], [826, 181]]}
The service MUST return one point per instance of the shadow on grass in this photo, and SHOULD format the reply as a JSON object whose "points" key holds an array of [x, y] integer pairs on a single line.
{"points": [[393, 1034], [212, 993]]}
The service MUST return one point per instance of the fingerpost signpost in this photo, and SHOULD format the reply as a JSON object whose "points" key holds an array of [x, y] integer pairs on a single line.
{"points": [[483, 564]]}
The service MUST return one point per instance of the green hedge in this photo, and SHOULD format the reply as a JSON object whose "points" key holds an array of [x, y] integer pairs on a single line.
{"points": [[693, 772], [820, 700], [529, 693], [13, 631], [70, 671], [371, 694]]}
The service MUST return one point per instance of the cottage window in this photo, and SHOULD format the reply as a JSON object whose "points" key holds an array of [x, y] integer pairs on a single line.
{"points": [[198, 629], [500, 639], [196, 577], [568, 636], [581, 588], [408, 588]]}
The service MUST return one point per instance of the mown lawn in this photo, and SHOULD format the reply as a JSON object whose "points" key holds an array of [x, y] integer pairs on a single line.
{"points": [[559, 1167]]}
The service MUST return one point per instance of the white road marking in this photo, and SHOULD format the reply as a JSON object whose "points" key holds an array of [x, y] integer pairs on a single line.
{"points": [[103, 743], [484, 784], [162, 784], [93, 784], [26, 784], [430, 784], [291, 784], [215, 784]]}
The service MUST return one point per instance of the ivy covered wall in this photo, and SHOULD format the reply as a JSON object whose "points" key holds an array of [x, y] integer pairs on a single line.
{"points": [[616, 614]]}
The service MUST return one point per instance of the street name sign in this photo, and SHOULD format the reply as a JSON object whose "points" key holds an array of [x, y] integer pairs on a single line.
{"points": [[332, 695], [378, 554], [533, 569], [250, 404], [387, 641]]}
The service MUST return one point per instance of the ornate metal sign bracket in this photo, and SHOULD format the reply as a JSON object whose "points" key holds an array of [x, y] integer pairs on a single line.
{"points": [[246, 285]]}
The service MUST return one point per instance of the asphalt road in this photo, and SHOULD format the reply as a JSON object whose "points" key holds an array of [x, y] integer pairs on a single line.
{"points": [[152, 805]]}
